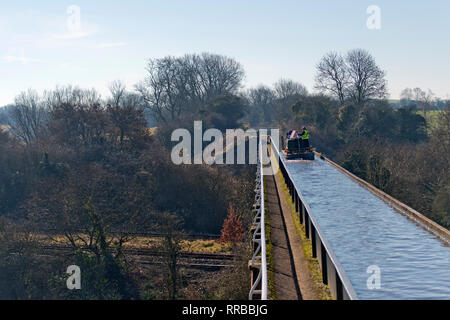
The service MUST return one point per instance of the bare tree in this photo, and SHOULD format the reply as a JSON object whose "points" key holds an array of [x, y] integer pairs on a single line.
{"points": [[171, 247], [174, 86], [261, 95], [332, 75], [118, 90], [419, 94], [28, 117], [366, 80], [71, 95], [406, 96], [262, 104], [287, 92], [357, 77], [286, 89], [424, 99], [125, 110], [218, 74], [76, 115], [4, 114], [160, 88]]}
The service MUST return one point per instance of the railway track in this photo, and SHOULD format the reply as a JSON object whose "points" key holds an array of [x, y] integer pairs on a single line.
{"points": [[145, 256]]}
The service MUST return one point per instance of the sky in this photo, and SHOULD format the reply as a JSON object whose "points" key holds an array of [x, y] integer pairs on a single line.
{"points": [[43, 44]]}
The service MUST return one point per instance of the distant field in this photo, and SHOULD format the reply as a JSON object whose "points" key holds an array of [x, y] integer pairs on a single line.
{"points": [[432, 117]]}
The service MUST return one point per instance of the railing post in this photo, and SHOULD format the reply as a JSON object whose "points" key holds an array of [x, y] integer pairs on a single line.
{"points": [[323, 257], [293, 192], [313, 242], [306, 224], [302, 208], [339, 295]]}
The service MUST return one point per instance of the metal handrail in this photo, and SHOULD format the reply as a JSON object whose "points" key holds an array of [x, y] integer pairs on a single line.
{"points": [[346, 284], [259, 235]]}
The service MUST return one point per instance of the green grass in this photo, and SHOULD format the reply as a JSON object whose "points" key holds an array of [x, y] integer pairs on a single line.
{"points": [[431, 118]]}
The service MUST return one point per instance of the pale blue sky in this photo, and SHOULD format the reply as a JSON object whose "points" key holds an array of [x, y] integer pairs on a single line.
{"points": [[272, 39]]}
